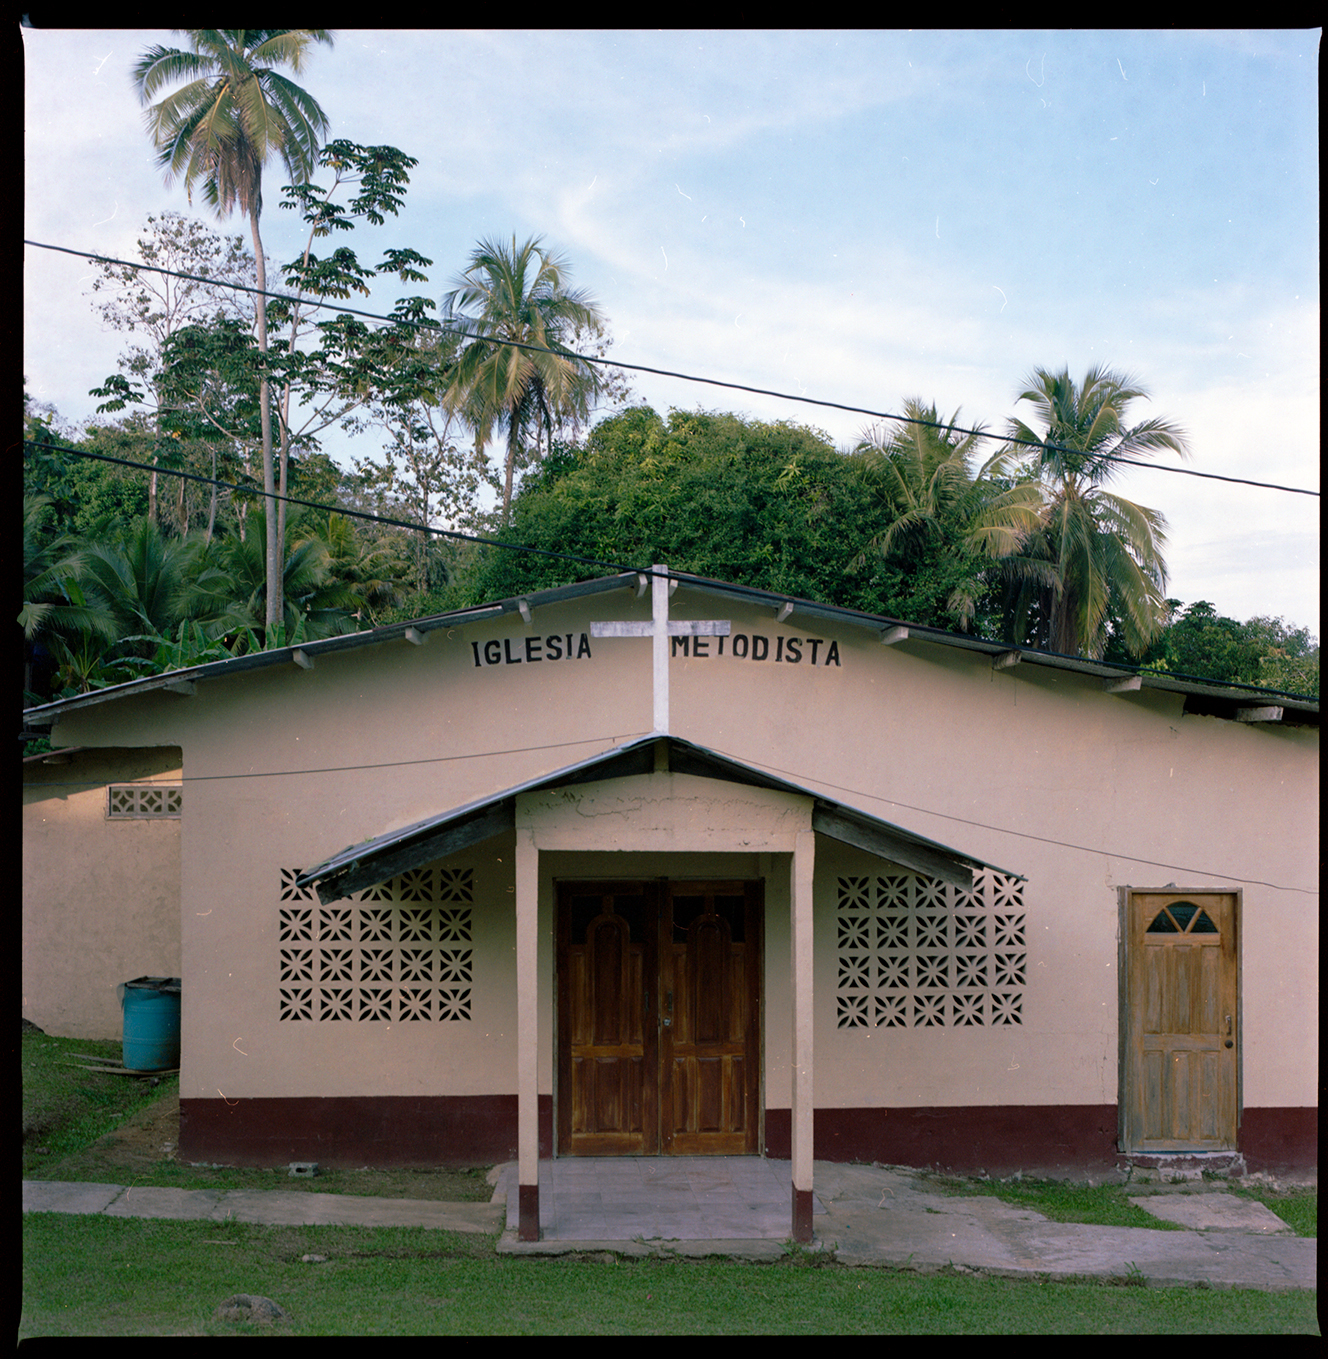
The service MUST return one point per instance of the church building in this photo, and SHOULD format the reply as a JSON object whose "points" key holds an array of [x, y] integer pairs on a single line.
{"points": [[656, 865]]}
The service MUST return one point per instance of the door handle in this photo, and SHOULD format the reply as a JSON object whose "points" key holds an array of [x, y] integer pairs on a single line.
{"points": [[1229, 1042]]}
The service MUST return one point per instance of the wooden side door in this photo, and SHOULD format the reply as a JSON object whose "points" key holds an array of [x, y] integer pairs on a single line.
{"points": [[710, 1022], [1182, 1016], [608, 1037], [659, 1018]]}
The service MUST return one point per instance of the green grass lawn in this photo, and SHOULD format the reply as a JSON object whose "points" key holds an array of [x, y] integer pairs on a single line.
{"points": [[1298, 1208], [65, 1108], [106, 1276], [70, 1115], [109, 1276]]}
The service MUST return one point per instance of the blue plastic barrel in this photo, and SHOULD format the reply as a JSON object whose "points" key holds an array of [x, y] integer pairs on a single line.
{"points": [[151, 1023]]}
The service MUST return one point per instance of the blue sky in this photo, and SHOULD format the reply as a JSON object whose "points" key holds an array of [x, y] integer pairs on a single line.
{"points": [[860, 217]]}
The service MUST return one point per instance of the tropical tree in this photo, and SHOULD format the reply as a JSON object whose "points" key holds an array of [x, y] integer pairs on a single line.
{"points": [[328, 370], [210, 386], [234, 113], [57, 611], [771, 505], [507, 297], [154, 304], [950, 525], [1097, 559], [230, 585]]}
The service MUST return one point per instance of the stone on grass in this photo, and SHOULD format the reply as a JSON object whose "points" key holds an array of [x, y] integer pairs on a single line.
{"points": [[250, 1307]]}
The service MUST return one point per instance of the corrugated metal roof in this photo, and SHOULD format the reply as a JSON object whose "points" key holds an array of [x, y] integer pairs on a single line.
{"points": [[1241, 695], [394, 852]]}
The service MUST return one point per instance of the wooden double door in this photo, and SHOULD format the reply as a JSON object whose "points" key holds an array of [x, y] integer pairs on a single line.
{"points": [[1181, 1058], [659, 1018]]}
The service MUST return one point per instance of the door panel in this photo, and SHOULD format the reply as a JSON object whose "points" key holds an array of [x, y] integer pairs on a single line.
{"points": [[659, 1018], [710, 1099], [606, 949], [1180, 1087]]}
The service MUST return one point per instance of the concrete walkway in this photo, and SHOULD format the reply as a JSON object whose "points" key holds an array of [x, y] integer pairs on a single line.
{"points": [[741, 1206], [269, 1207]]}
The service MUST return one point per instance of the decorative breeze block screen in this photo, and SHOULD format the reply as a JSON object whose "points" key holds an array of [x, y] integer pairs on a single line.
{"points": [[401, 951], [139, 801], [917, 953]]}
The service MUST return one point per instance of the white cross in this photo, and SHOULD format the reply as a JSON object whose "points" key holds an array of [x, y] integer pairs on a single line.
{"points": [[661, 629]]}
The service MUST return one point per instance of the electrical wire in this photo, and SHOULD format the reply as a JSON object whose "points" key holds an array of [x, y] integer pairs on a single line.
{"points": [[759, 764], [259, 494], [1022, 835], [617, 567], [1043, 444]]}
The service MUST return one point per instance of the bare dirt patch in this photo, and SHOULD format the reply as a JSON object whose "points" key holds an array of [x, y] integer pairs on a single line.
{"points": [[145, 1139]]}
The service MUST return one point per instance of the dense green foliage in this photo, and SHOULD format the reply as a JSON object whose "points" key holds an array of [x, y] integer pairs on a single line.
{"points": [[773, 506], [111, 593], [1266, 652], [905, 526]]}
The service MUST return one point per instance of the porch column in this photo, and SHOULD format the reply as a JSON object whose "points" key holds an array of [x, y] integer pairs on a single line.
{"points": [[801, 986], [527, 1034]]}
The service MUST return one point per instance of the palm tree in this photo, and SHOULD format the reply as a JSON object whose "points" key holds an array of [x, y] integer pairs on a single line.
{"points": [[234, 113], [60, 609], [229, 588], [141, 578], [922, 468], [518, 295], [1098, 557]]}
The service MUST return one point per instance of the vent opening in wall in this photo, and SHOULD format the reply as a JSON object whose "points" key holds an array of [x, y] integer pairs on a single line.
{"points": [[142, 801], [399, 952], [917, 953]]}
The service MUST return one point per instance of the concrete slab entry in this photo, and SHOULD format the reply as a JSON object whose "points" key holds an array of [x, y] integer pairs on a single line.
{"points": [[55, 1196], [1212, 1212], [919, 1240], [684, 1198]]}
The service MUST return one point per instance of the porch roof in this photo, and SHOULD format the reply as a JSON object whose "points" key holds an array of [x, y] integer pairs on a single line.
{"points": [[370, 862]]}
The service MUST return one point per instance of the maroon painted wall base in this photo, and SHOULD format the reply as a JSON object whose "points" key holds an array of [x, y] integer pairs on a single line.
{"points": [[1279, 1141], [344, 1131], [400, 1130], [999, 1140], [527, 1200], [802, 1216]]}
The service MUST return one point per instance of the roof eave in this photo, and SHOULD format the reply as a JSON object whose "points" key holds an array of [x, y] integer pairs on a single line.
{"points": [[785, 606], [373, 861]]}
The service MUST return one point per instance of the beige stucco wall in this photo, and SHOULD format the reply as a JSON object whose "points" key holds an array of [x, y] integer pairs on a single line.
{"points": [[101, 896], [1039, 772]]}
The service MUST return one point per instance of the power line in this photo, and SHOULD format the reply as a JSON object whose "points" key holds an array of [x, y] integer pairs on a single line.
{"points": [[334, 509], [411, 526], [1043, 445], [774, 769], [1026, 835]]}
